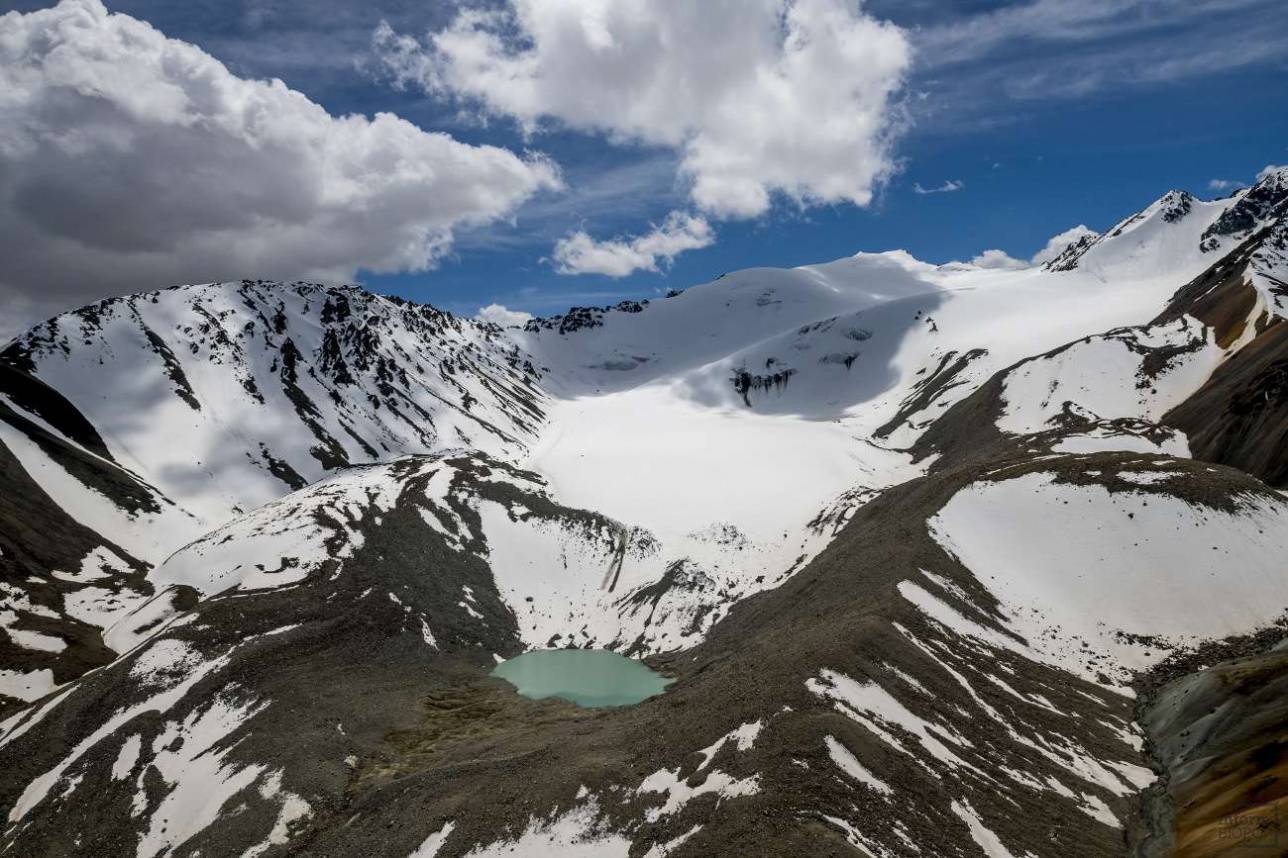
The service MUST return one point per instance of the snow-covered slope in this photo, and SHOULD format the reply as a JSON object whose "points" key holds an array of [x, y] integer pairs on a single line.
{"points": [[1144, 560], [227, 396], [1268, 268], [593, 350], [568, 577]]}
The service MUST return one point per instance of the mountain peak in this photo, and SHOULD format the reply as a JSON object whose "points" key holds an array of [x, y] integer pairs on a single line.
{"points": [[1250, 210], [1273, 176], [1171, 209], [1175, 204]]}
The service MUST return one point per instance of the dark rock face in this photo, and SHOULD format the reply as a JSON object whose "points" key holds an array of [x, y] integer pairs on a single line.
{"points": [[1176, 205], [745, 383], [1218, 726], [1239, 417], [582, 318], [576, 319], [1262, 202]]}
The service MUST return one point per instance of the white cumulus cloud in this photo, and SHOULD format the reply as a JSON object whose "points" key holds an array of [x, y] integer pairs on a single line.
{"points": [[1000, 259], [997, 259], [129, 160], [758, 97], [499, 314], [579, 253], [1059, 242]]}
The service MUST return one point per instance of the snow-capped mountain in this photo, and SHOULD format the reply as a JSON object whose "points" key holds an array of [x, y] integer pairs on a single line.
{"points": [[931, 553], [229, 395], [153, 419]]}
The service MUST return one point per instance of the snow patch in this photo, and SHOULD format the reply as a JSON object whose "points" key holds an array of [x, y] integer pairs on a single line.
{"points": [[1119, 563], [848, 763]]}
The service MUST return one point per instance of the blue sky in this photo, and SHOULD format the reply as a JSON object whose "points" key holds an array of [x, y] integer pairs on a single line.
{"points": [[1046, 118]]}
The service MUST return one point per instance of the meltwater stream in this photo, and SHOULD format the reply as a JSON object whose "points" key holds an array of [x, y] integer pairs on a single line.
{"points": [[587, 677]]}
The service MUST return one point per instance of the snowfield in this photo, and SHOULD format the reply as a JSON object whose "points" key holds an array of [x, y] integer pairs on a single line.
{"points": [[1129, 575]]}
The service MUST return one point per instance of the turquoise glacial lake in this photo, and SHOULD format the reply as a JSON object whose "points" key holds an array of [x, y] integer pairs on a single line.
{"points": [[587, 677]]}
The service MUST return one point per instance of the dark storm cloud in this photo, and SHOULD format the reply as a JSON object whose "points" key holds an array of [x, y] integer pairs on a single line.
{"points": [[130, 161]]}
